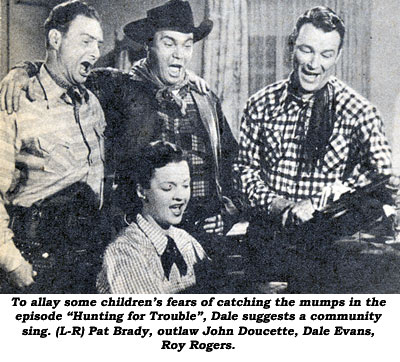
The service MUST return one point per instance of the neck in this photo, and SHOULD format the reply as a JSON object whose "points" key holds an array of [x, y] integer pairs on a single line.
{"points": [[153, 70], [163, 228], [306, 96], [54, 70], [299, 91]]}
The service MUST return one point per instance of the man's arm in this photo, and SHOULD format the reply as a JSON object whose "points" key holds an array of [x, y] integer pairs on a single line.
{"points": [[375, 153], [11, 260], [247, 167], [106, 83], [229, 150], [247, 171]]}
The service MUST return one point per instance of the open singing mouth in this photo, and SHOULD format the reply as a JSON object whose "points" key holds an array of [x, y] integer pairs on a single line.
{"points": [[177, 209], [86, 67]]}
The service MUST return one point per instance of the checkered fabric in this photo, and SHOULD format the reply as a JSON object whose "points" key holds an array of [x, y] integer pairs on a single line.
{"points": [[189, 133], [132, 263], [269, 165]]}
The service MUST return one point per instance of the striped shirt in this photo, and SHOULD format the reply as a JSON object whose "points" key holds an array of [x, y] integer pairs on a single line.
{"points": [[268, 163], [132, 263], [44, 148]]}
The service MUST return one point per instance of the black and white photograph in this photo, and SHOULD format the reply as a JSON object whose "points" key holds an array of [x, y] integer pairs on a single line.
{"points": [[207, 148]]}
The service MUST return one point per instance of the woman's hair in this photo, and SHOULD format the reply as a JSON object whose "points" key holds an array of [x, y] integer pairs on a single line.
{"points": [[140, 172], [155, 155]]}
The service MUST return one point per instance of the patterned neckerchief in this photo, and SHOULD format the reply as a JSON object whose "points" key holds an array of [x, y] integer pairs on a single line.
{"points": [[165, 94]]}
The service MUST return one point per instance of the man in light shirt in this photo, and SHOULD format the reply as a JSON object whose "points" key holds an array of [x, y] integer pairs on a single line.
{"points": [[51, 156]]}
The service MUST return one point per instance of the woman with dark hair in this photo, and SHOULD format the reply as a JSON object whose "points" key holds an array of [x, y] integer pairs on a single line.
{"points": [[152, 255]]}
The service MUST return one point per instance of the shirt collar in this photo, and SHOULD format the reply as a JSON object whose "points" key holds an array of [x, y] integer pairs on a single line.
{"points": [[52, 91], [49, 88], [289, 92], [154, 232]]}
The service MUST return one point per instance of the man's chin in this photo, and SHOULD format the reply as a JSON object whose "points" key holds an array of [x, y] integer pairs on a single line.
{"points": [[312, 87], [80, 79], [176, 221], [172, 80], [308, 88]]}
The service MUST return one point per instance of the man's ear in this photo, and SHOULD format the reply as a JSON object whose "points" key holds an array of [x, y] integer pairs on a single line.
{"points": [[55, 38], [146, 47], [339, 55], [141, 192]]}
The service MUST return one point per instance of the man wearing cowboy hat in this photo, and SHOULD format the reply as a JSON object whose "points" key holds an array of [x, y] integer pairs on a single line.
{"points": [[157, 100], [168, 107]]}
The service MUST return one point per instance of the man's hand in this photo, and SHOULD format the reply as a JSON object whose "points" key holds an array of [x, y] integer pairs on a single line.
{"points": [[332, 193], [298, 214], [201, 85], [10, 89], [213, 225], [22, 276], [394, 183]]}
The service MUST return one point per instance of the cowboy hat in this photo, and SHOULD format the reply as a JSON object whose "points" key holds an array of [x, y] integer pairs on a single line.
{"points": [[174, 15]]}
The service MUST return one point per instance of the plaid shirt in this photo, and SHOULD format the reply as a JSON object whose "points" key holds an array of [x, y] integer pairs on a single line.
{"points": [[268, 162], [188, 132], [132, 263], [135, 117]]}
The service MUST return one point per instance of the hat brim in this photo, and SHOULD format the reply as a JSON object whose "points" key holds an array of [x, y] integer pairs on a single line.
{"points": [[141, 31]]}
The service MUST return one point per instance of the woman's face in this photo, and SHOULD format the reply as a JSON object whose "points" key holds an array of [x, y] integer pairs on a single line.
{"points": [[168, 195]]}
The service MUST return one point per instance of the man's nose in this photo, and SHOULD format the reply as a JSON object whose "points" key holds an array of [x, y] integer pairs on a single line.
{"points": [[95, 51], [314, 62], [178, 52]]}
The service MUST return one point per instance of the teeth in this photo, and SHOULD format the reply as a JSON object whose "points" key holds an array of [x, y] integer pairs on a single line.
{"points": [[86, 66], [309, 77], [175, 69]]}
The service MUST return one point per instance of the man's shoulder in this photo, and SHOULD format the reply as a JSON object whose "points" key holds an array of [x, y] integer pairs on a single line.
{"points": [[210, 95], [268, 95], [31, 101], [349, 98], [94, 101], [120, 77]]}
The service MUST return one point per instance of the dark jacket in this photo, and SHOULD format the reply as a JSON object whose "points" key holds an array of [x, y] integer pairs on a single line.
{"points": [[130, 109]]}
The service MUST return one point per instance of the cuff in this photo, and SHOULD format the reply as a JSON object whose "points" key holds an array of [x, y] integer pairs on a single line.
{"points": [[278, 205], [10, 257]]}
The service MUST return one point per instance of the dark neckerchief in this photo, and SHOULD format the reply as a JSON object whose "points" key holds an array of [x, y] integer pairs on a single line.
{"points": [[322, 120], [171, 256]]}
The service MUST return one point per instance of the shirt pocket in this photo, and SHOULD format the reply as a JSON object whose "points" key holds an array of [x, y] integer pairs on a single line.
{"points": [[57, 154], [272, 146], [337, 152]]}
